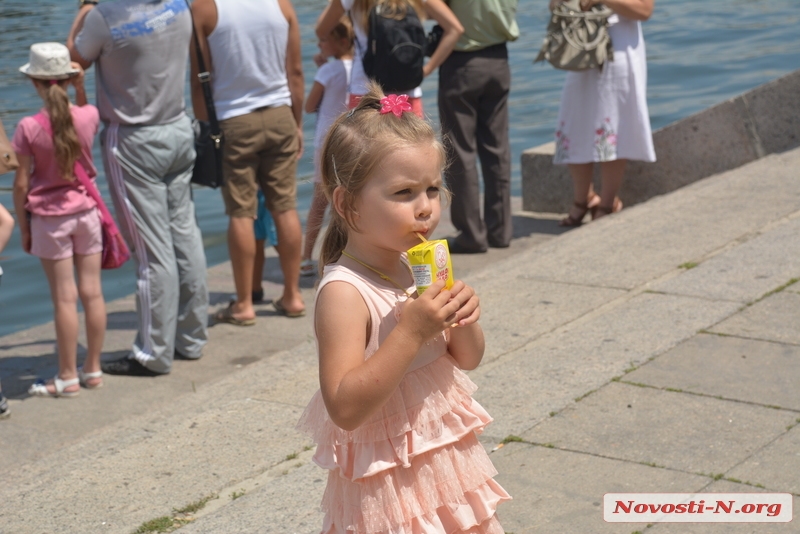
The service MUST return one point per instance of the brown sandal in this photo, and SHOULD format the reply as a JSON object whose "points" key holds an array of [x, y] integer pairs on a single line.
{"points": [[585, 207]]}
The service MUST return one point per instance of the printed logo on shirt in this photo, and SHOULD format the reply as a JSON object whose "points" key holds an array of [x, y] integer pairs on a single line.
{"points": [[146, 22]]}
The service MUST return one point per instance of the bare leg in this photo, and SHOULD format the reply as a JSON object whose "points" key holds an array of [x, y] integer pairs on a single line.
{"points": [[258, 265], [290, 238], [65, 297], [242, 250], [315, 217], [582, 191], [90, 291], [611, 174]]}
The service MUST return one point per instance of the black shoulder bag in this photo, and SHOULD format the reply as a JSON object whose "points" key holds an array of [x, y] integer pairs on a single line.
{"points": [[207, 134]]}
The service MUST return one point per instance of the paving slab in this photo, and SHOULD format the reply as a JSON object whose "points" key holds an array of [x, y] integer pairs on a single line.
{"points": [[724, 486], [745, 272], [774, 318], [547, 374], [730, 367], [776, 466], [559, 491], [511, 319], [669, 429]]}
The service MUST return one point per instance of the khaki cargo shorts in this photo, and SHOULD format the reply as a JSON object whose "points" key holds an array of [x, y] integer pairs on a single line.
{"points": [[260, 150]]}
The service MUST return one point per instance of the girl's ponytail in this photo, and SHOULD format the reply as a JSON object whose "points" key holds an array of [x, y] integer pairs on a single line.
{"points": [[65, 137], [334, 241]]}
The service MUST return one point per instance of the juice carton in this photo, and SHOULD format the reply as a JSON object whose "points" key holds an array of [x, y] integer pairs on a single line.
{"points": [[430, 261]]}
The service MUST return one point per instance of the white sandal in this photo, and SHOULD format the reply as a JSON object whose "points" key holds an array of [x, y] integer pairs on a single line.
{"points": [[39, 388], [83, 378]]}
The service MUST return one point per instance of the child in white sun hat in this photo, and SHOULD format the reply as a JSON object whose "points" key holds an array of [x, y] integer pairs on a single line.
{"points": [[63, 226]]}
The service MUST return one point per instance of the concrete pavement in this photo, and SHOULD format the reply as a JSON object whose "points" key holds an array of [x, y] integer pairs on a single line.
{"points": [[656, 350]]}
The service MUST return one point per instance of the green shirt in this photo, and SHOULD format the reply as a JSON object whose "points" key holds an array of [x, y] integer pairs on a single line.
{"points": [[486, 22]]}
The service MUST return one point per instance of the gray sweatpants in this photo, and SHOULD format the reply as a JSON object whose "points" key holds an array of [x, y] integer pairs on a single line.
{"points": [[148, 170]]}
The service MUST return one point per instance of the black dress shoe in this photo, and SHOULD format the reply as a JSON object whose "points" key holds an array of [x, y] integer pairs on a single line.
{"points": [[126, 366], [456, 248], [499, 245]]}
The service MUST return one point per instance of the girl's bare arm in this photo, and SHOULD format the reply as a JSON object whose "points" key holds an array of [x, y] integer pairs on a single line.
{"points": [[314, 97], [354, 388], [22, 181]]}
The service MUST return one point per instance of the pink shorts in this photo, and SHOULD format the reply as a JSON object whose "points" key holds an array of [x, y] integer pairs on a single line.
{"points": [[58, 237], [416, 104]]}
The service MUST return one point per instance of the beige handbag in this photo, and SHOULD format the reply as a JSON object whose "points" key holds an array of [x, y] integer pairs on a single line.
{"points": [[8, 160], [577, 40]]}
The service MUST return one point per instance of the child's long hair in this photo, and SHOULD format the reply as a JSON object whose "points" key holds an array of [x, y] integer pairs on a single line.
{"points": [[361, 8], [65, 137], [358, 141]]}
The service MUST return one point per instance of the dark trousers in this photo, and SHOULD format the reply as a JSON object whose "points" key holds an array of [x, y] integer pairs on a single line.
{"points": [[473, 110]]}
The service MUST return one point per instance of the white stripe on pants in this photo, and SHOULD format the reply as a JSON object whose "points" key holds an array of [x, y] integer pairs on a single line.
{"points": [[149, 168]]}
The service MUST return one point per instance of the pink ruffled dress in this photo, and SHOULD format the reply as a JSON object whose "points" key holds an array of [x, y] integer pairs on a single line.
{"points": [[416, 466]]}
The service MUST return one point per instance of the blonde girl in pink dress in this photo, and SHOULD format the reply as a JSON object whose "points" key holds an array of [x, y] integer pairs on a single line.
{"points": [[394, 420]]}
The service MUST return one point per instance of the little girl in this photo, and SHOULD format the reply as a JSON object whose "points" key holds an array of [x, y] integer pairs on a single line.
{"points": [[64, 227], [394, 419], [327, 98]]}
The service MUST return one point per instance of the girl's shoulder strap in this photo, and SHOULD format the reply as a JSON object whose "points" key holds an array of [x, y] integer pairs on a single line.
{"points": [[339, 273], [44, 122]]}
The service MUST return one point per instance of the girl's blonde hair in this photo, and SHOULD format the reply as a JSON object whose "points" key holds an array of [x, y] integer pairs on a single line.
{"points": [[393, 8], [65, 137], [356, 143]]}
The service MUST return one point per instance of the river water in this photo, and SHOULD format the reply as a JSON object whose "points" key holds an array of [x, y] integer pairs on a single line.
{"points": [[699, 54]]}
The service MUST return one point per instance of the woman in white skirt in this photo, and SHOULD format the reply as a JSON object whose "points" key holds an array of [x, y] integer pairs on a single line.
{"points": [[603, 116]]}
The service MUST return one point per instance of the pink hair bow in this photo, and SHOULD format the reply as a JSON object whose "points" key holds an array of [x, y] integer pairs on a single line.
{"points": [[396, 104]]}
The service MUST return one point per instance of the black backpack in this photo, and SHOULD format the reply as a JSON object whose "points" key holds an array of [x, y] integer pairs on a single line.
{"points": [[395, 50]]}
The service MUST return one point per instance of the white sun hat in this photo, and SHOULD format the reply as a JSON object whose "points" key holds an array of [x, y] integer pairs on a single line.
{"points": [[49, 61]]}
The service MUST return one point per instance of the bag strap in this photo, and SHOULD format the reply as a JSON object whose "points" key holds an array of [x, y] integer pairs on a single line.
{"points": [[80, 173], [205, 83]]}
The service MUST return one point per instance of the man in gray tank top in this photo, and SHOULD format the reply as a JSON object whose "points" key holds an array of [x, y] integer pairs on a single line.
{"points": [[139, 49]]}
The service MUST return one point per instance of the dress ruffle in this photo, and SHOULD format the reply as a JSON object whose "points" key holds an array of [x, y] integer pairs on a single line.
{"points": [[431, 407], [445, 490]]}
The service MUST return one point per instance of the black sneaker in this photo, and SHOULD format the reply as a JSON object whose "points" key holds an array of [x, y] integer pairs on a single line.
{"points": [[5, 411], [126, 366]]}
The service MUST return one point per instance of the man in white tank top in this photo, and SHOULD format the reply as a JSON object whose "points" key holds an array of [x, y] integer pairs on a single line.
{"points": [[252, 50]]}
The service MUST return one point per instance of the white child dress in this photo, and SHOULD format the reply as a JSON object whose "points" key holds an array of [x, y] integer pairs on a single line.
{"points": [[416, 466], [603, 114]]}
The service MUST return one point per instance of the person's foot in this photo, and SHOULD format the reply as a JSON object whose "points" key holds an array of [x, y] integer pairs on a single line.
{"points": [[602, 211], [5, 411], [55, 387], [230, 315], [289, 308], [126, 366], [257, 295], [181, 356], [457, 248], [308, 267]]}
